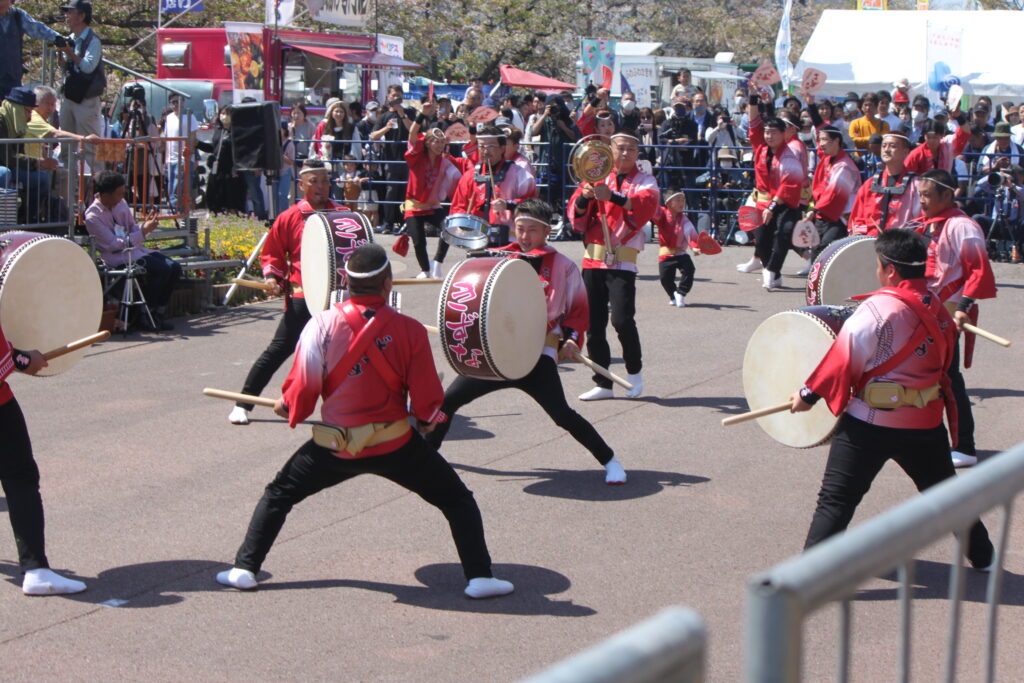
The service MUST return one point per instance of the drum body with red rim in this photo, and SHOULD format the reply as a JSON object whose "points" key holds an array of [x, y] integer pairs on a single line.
{"points": [[50, 294], [492, 318], [781, 354], [845, 268], [328, 238]]}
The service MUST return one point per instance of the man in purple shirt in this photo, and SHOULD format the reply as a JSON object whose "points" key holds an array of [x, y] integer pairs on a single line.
{"points": [[120, 240]]}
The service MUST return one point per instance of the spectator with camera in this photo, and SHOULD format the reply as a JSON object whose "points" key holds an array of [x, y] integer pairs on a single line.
{"points": [[141, 163], [14, 23], [391, 130], [1002, 152], [84, 80], [999, 195]]}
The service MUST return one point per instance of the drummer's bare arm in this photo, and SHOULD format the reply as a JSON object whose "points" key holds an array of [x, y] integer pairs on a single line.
{"points": [[275, 287], [568, 351], [28, 362], [797, 404]]}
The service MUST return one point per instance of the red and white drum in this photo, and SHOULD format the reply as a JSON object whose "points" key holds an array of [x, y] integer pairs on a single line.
{"points": [[845, 268], [492, 318], [50, 294], [781, 354], [328, 238]]}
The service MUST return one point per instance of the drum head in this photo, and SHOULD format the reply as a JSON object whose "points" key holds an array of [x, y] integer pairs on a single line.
{"points": [[516, 320], [845, 268], [782, 353], [319, 264], [50, 294]]}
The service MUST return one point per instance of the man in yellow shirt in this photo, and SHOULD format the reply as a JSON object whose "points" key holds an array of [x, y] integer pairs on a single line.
{"points": [[869, 124], [39, 127]]}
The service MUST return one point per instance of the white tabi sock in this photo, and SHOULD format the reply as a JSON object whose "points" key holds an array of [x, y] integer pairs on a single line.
{"points": [[239, 416], [751, 266], [488, 588], [242, 579], [423, 275], [679, 300], [637, 380], [597, 394], [48, 582], [614, 473], [435, 269]]}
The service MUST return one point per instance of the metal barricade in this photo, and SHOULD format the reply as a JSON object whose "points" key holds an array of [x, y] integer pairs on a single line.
{"points": [[669, 647], [781, 599]]}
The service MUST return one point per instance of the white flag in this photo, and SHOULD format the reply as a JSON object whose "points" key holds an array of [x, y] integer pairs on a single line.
{"points": [[280, 12], [783, 43]]}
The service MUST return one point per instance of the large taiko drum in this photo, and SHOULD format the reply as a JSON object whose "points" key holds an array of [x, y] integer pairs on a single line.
{"points": [[328, 238], [845, 268], [50, 294], [781, 354], [492, 318]]}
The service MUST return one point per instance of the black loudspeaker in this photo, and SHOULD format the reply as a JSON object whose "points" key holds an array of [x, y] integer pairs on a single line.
{"points": [[255, 136]]}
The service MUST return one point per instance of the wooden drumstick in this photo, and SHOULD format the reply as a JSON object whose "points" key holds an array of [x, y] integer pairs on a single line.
{"points": [[603, 371], [417, 281], [75, 345], [985, 334], [754, 414], [253, 284], [432, 330], [243, 398]]}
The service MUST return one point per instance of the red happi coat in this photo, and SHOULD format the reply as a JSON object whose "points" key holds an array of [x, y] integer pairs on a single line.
{"points": [[282, 251]]}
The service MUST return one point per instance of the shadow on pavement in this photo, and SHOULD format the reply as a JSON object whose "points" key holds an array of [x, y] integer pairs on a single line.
{"points": [[589, 484], [465, 429], [931, 582], [719, 307], [993, 393], [443, 584], [731, 405]]}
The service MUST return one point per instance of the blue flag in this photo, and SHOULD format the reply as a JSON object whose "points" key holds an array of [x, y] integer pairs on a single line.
{"points": [[178, 6]]}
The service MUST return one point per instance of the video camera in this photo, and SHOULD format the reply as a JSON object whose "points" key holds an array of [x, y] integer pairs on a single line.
{"points": [[60, 42], [136, 93]]}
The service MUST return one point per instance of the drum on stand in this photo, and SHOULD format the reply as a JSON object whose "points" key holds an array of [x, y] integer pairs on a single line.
{"points": [[50, 294], [781, 354], [328, 238], [492, 318], [845, 268]]}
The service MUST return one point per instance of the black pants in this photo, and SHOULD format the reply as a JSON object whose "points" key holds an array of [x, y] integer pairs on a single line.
{"points": [[775, 238], [162, 274], [19, 476], [295, 317], [617, 287], [415, 466], [965, 416], [828, 231], [667, 270], [397, 176], [544, 386], [416, 227], [856, 456]]}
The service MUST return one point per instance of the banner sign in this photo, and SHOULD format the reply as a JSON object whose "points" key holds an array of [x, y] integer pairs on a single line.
{"points": [[245, 41], [943, 46], [354, 13], [598, 57], [178, 6]]}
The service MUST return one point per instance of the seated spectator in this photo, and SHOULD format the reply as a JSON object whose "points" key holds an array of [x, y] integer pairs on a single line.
{"points": [[17, 169], [120, 240]]}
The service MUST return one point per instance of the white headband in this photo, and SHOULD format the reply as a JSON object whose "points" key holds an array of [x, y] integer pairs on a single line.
{"points": [[904, 263], [535, 220], [673, 196], [306, 169], [360, 276], [625, 135], [933, 180], [896, 135], [490, 137]]}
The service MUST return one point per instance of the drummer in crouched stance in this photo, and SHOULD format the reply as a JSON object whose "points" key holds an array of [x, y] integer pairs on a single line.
{"points": [[282, 268], [568, 318], [368, 362], [887, 371]]}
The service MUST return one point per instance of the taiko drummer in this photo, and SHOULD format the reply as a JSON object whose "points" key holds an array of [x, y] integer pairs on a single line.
{"points": [[568, 318], [282, 268], [373, 367], [887, 371]]}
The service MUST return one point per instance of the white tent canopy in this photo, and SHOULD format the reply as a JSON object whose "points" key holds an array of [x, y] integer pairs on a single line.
{"points": [[868, 50]]}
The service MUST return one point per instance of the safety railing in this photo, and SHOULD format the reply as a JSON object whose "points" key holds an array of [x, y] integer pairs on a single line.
{"points": [[781, 599], [669, 647]]}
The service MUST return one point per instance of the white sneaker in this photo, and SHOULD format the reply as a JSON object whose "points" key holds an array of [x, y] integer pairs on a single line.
{"points": [[49, 582], [423, 275], [679, 301], [964, 460], [637, 381], [597, 394], [614, 473], [751, 266], [242, 579], [435, 269], [671, 302], [239, 416], [766, 280], [777, 282], [488, 588]]}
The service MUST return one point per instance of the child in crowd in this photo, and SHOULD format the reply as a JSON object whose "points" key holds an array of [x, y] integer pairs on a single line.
{"points": [[675, 235]]}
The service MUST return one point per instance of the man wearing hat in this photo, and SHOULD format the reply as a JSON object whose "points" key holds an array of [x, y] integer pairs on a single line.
{"points": [[15, 166], [374, 369], [84, 80], [14, 22], [1002, 152]]}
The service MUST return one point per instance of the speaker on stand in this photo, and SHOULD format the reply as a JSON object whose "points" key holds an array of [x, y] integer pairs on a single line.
{"points": [[256, 143]]}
